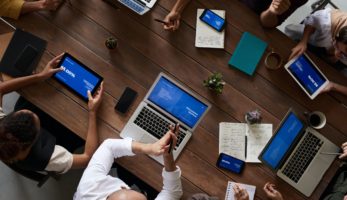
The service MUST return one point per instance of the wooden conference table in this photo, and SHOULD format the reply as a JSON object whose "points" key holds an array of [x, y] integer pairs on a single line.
{"points": [[145, 49]]}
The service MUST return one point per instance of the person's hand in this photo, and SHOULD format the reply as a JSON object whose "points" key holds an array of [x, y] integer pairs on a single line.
{"points": [[278, 7], [299, 49], [50, 68], [173, 21], [162, 146], [271, 192], [51, 4], [328, 88], [94, 102], [240, 193], [344, 153]]}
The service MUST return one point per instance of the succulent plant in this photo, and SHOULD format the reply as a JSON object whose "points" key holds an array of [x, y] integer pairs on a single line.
{"points": [[111, 43], [253, 116], [215, 82]]}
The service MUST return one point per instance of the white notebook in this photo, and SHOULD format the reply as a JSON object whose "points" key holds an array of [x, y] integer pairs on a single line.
{"points": [[230, 192], [243, 141], [206, 36]]}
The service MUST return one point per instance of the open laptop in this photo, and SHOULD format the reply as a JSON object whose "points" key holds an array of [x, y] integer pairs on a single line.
{"points": [[294, 151], [138, 6], [167, 102], [307, 75]]}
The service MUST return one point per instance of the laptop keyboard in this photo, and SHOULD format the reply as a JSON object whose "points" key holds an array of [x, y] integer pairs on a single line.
{"points": [[302, 157], [155, 125], [132, 5]]}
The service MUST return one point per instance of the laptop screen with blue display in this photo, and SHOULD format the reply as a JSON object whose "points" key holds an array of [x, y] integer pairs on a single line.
{"points": [[177, 102], [307, 75], [282, 140]]}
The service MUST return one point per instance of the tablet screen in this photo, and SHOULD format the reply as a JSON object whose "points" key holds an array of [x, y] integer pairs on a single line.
{"points": [[307, 74], [77, 76]]}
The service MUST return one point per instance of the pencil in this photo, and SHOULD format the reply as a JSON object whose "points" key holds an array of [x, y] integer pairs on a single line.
{"points": [[170, 147]]}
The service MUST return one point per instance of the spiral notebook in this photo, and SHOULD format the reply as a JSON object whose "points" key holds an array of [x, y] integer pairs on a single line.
{"points": [[230, 192]]}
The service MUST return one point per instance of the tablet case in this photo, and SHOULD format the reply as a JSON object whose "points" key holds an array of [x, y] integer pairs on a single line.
{"points": [[20, 40], [247, 54]]}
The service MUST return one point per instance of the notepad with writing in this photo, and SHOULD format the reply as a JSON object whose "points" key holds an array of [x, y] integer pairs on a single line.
{"points": [[243, 141], [248, 53], [207, 37], [230, 192]]}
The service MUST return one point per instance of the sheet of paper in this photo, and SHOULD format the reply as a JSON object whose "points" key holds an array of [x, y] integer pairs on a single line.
{"points": [[207, 37], [257, 137], [232, 139], [230, 192]]}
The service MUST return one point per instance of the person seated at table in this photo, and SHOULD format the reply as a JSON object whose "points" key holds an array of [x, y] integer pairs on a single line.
{"points": [[338, 187], [14, 8], [97, 184], [272, 12], [27, 141]]}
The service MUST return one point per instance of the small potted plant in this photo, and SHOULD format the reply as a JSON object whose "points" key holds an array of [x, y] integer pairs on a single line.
{"points": [[215, 82], [253, 117], [111, 43]]}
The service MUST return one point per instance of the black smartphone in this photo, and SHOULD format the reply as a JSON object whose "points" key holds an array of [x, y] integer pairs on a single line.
{"points": [[26, 58], [212, 19], [125, 100], [230, 163]]}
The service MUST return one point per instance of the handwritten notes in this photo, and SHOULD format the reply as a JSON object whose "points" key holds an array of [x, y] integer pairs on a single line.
{"points": [[243, 141], [230, 192], [207, 37]]}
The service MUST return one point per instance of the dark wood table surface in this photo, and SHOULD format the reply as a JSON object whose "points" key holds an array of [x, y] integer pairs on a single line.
{"points": [[144, 49]]}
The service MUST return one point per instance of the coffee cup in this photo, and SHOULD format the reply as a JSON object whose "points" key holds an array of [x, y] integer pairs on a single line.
{"points": [[316, 119], [273, 60]]}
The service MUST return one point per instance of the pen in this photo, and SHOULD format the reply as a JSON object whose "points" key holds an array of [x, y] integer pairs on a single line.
{"points": [[170, 147], [161, 21], [330, 153]]}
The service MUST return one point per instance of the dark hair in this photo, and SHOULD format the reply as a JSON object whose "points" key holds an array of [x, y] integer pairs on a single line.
{"points": [[342, 35], [17, 133]]}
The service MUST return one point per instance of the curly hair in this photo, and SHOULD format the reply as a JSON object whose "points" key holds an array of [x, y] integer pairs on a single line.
{"points": [[17, 133], [342, 35]]}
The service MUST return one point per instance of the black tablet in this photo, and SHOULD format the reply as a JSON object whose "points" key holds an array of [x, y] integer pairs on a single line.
{"points": [[77, 77]]}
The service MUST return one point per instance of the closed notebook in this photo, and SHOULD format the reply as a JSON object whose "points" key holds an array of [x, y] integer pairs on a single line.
{"points": [[248, 53]]}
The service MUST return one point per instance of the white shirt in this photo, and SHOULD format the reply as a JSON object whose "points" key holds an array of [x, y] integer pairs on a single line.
{"points": [[96, 184]]}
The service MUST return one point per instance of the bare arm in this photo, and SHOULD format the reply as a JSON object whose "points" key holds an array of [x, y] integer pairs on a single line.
{"points": [[18, 83], [269, 18], [32, 6], [301, 47], [92, 140]]}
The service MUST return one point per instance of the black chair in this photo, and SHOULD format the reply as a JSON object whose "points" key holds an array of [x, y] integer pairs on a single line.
{"points": [[39, 177]]}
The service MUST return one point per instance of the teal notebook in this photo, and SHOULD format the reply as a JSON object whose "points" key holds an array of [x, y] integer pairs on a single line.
{"points": [[247, 54]]}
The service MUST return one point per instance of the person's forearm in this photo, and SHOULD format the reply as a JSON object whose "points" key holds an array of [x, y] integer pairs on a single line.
{"points": [[139, 148], [179, 6], [32, 6], [92, 139], [340, 88], [308, 31], [17, 83], [268, 19], [169, 163]]}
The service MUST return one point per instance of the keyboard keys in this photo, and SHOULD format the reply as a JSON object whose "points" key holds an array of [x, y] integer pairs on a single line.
{"points": [[302, 157], [134, 6], [155, 125]]}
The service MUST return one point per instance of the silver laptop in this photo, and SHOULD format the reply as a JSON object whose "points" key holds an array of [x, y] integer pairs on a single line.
{"points": [[139, 6], [167, 102], [294, 151]]}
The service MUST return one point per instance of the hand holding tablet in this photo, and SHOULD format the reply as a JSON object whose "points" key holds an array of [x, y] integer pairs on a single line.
{"points": [[77, 77]]}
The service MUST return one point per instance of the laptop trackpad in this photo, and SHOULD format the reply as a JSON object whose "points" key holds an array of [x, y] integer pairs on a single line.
{"points": [[148, 139]]}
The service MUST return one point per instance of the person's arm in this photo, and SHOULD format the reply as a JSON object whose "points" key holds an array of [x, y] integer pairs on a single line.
{"points": [[301, 47], [335, 87], [32, 6], [81, 160], [269, 17], [18, 83], [344, 151], [173, 18]]}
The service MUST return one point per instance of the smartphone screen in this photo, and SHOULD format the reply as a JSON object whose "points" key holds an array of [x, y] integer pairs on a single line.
{"points": [[125, 100], [26, 58], [213, 20], [230, 163]]}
